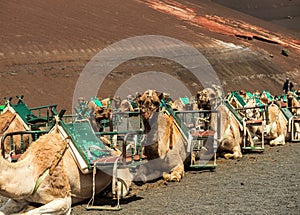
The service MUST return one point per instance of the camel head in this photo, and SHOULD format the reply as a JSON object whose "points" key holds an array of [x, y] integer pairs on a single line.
{"points": [[293, 103], [206, 98], [102, 113], [149, 102]]}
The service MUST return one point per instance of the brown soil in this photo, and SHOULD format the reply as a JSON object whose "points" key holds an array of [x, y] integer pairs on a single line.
{"points": [[46, 44]]}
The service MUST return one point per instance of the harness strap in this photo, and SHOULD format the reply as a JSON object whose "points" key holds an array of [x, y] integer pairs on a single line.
{"points": [[7, 124], [50, 169], [58, 157], [40, 180], [171, 135]]}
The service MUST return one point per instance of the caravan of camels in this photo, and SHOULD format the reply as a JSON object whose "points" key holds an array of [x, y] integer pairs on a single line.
{"points": [[59, 159]]}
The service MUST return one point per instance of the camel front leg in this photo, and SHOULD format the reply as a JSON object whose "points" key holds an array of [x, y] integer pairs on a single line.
{"points": [[57, 206], [176, 174], [280, 140], [12, 206]]}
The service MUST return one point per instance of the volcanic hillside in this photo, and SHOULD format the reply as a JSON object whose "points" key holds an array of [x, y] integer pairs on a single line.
{"points": [[46, 44]]}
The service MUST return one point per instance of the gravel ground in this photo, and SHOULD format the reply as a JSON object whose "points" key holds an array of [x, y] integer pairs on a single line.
{"points": [[267, 183]]}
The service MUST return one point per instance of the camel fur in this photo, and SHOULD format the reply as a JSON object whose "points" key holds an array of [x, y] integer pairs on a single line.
{"points": [[10, 122], [164, 146], [231, 135], [63, 186]]}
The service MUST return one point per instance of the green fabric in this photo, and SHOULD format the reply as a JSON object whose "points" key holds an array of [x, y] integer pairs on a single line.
{"points": [[268, 94], [250, 95], [235, 113], [24, 112], [184, 130], [98, 103], [287, 113], [185, 100], [2, 107], [239, 98], [133, 104], [86, 141]]}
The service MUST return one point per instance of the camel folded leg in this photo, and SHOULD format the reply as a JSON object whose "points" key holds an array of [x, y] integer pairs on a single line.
{"points": [[280, 140], [12, 206], [57, 206], [176, 174], [236, 153]]}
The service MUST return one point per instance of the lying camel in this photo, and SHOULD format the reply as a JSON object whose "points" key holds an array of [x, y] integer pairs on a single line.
{"points": [[276, 128], [47, 174], [10, 121], [231, 135], [294, 106], [164, 145]]}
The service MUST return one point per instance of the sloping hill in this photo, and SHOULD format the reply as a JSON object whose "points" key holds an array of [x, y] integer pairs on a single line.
{"points": [[46, 44], [284, 13]]}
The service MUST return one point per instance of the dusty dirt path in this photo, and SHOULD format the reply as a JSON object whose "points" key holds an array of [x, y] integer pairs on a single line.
{"points": [[267, 183]]}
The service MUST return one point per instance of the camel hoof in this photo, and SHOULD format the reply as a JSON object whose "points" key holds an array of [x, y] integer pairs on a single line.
{"points": [[228, 156]]}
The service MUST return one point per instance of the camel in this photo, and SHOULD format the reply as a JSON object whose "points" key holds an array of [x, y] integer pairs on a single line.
{"points": [[10, 121], [164, 145], [208, 98], [47, 174], [276, 127], [294, 106], [96, 110], [266, 97], [181, 104], [231, 134], [293, 103], [129, 104], [202, 100]]}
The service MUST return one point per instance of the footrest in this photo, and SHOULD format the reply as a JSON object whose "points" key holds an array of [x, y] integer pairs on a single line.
{"points": [[253, 148], [104, 208], [204, 166], [109, 161]]}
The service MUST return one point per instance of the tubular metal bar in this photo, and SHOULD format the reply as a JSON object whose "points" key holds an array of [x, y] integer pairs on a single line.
{"points": [[127, 134], [244, 108], [206, 111], [111, 125], [139, 132], [17, 133]]}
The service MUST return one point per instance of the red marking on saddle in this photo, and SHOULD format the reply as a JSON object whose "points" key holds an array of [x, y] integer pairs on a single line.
{"points": [[15, 157], [254, 121], [282, 104], [203, 133]]}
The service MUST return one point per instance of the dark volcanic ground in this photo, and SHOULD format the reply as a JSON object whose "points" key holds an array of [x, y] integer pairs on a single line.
{"points": [[284, 13], [267, 183]]}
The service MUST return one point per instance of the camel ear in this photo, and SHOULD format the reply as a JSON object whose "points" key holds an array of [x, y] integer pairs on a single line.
{"points": [[160, 95], [198, 95]]}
